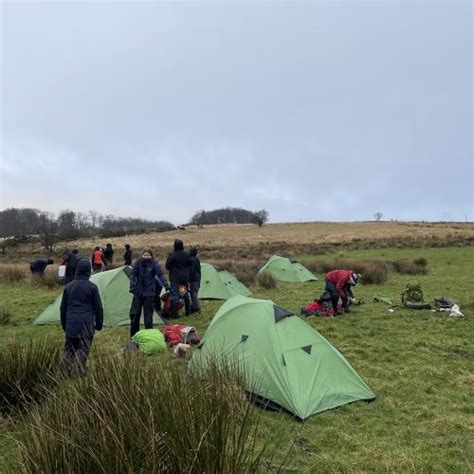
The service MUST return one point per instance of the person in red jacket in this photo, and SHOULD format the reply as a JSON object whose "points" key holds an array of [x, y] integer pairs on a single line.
{"points": [[339, 284]]}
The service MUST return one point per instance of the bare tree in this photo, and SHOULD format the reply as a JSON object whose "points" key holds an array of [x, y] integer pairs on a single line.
{"points": [[49, 235], [378, 216]]}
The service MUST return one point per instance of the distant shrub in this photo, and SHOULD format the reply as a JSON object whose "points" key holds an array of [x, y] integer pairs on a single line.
{"points": [[12, 272], [266, 280], [372, 271], [418, 266]]}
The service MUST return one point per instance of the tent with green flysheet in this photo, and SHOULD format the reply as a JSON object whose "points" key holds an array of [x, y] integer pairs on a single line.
{"points": [[282, 360], [284, 269], [219, 284], [113, 288]]}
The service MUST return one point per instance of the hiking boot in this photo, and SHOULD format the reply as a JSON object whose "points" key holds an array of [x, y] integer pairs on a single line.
{"points": [[339, 312], [347, 310]]}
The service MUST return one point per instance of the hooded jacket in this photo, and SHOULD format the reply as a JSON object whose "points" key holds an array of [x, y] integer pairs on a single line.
{"points": [[39, 265], [144, 275], [81, 306], [195, 273], [179, 264], [340, 279]]}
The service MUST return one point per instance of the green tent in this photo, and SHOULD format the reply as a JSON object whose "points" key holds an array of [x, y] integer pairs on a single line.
{"points": [[284, 269], [282, 359], [219, 284], [113, 288]]}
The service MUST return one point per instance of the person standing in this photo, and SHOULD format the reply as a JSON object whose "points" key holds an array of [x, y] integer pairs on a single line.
{"points": [[143, 277], [38, 266], [81, 314], [338, 284], [108, 255], [70, 261], [97, 260], [127, 256], [179, 265], [195, 280]]}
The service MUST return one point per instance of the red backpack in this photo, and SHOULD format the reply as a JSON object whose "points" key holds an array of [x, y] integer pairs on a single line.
{"points": [[180, 333]]}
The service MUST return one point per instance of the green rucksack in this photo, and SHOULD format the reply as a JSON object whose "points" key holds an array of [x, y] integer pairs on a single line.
{"points": [[412, 297]]}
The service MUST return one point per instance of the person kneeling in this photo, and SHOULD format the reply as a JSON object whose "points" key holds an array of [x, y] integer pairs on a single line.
{"points": [[339, 284]]}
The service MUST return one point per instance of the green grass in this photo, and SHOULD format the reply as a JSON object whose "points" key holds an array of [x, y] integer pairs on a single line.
{"points": [[420, 365]]}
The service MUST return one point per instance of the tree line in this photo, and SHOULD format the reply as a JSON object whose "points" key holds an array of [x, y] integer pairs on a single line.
{"points": [[230, 215], [70, 225]]}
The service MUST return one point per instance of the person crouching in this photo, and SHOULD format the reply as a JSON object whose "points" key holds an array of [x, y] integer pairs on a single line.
{"points": [[339, 284], [81, 314]]}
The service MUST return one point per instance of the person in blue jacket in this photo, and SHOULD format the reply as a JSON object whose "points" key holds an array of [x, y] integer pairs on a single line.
{"points": [[145, 273], [81, 314], [38, 266]]}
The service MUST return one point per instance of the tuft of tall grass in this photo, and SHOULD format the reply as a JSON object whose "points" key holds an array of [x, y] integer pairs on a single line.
{"points": [[130, 415], [48, 280], [418, 266], [12, 272], [266, 280], [5, 316], [372, 271], [27, 372]]}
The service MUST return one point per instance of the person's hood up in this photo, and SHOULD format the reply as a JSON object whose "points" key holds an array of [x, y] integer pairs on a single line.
{"points": [[178, 244], [83, 270], [193, 251]]}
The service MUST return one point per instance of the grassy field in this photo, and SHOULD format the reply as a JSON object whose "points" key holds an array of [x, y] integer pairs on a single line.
{"points": [[420, 365]]}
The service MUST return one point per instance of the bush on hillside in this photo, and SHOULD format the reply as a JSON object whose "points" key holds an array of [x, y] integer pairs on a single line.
{"points": [[266, 280]]}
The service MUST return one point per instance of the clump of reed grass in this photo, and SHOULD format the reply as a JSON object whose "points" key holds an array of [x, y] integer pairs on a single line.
{"points": [[266, 280], [12, 272], [27, 371], [130, 415]]}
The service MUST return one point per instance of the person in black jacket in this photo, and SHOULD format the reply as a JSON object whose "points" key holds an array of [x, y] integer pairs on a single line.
{"points": [[179, 265], [70, 261], [146, 271], [195, 280], [108, 255], [39, 265], [127, 256], [81, 314]]}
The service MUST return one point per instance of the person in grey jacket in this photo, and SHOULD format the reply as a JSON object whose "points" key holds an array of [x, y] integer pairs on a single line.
{"points": [[81, 314]]}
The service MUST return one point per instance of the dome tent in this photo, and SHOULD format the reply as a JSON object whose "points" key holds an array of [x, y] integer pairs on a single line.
{"points": [[284, 269], [116, 300], [282, 359], [219, 284]]}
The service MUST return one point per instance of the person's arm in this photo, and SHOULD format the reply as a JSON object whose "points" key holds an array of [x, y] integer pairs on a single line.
{"points": [[340, 289], [63, 309], [133, 277], [98, 309], [160, 276]]}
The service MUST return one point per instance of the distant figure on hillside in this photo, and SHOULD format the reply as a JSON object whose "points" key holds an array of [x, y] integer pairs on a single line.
{"points": [[127, 256], [39, 265], [81, 314], [97, 260], [146, 273], [339, 284], [108, 255], [179, 265], [195, 280], [70, 260]]}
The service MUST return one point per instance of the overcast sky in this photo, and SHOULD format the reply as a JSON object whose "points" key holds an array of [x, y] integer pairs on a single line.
{"points": [[312, 110]]}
